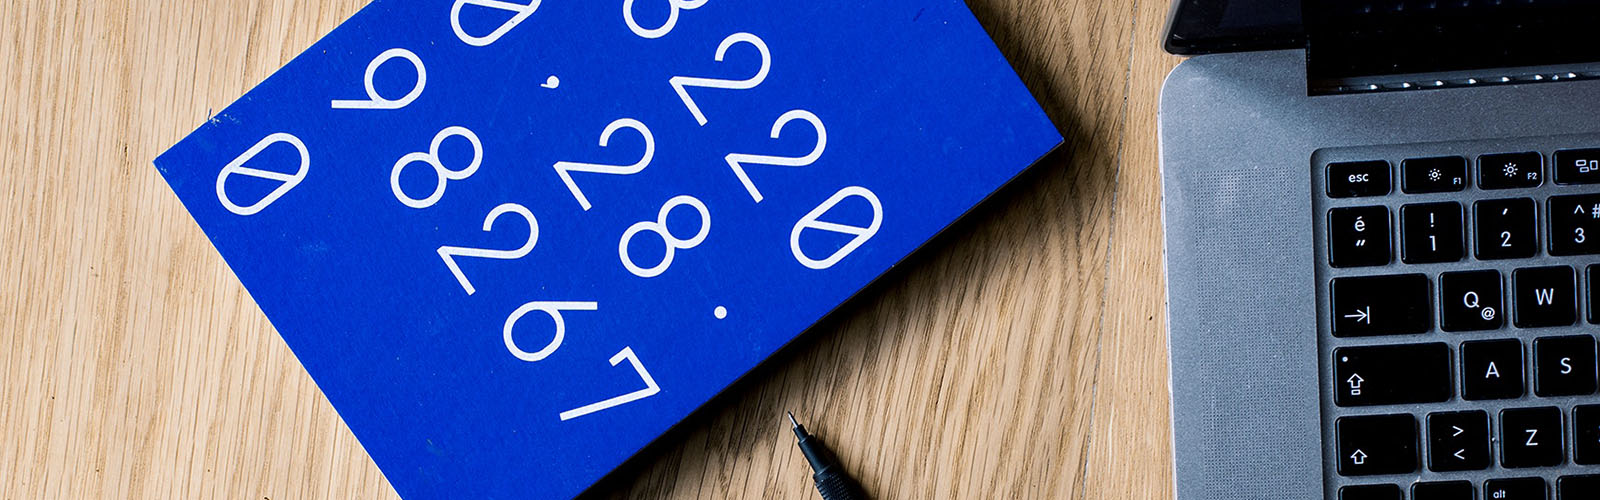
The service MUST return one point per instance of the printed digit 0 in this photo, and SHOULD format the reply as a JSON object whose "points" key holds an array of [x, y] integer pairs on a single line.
{"points": [[812, 221]]}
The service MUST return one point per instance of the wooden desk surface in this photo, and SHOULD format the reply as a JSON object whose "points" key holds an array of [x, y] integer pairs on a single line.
{"points": [[1021, 355]]}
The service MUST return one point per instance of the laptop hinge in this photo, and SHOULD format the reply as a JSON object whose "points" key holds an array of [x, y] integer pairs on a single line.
{"points": [[1388, 45]]}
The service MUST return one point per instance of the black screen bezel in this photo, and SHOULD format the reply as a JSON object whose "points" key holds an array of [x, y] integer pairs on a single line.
{"points": [[1195, 27]]}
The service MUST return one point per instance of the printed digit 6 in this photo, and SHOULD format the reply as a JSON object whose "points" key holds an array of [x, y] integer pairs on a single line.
{"points": [[673, 243], [445, 175], [672, 17]]}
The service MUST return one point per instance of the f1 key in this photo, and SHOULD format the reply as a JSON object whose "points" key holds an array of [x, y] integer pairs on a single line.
{"points": [[1392, 374], [1382, 305]]}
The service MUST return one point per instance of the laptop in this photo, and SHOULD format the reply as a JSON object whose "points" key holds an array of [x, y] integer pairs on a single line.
{"points": [[1382, 224]]}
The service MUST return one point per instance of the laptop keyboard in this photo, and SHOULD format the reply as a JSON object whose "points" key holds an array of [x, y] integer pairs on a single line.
{"points": [[1459, 295]]}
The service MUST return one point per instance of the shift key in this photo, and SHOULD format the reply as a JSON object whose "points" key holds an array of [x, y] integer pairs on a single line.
{"points": [[1382, 305], [1392, 374]]}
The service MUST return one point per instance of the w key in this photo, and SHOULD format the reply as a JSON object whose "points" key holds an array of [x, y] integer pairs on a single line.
{"points": [[1382, 305]]}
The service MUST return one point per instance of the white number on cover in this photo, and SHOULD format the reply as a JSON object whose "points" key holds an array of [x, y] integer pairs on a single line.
{"points": [[672, 17], [375, 101], [681, 83], [673, 243], [738, 160], [449, 253], [552, 309], [444, 175], [812, 221], [287, 181], [650, 388], [520, 11], [565, 168]]}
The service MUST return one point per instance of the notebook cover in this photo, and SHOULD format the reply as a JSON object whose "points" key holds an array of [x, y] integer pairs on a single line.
{"points": [[515, 242]]}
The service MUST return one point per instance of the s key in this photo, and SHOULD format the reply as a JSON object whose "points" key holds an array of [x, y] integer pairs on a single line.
{"points": [[1505, 229]]}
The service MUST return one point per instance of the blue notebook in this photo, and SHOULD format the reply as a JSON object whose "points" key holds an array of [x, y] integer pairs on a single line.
{"points": [[515, 242]]}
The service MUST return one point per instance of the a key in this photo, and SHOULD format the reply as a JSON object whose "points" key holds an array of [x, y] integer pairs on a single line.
{"points": [[1578, 487], [1358, 178], [1531, 437], [1505, 229], [1575, 224], [1564, 366], [1546, 296], [1377, 444], [1510, 170], [1431, 232], [1491, 369], [1370, 492], [1433, 175], [1594, 299], [1458, 441], [1586, 435], [1522, 488], [1470, 301], [1392, 374], [1577, 166], [1442, 490], [1381, 305], [1358, 236]]}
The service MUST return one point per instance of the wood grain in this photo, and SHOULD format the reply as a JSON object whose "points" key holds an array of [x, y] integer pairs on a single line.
{"points": [[1020, 355]]}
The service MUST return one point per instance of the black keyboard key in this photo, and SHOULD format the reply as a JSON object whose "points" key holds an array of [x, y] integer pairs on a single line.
{"points": [[1470, 301], [1575, 224], [1564, 366], [1510, 170], [1578, 487], [1546, 296], [1370, 492], [1505, 229], [1586, 435], [1531, 437], [1377, 444], [1577, 166], [1594, 299], [1431, 232], [1491, 369], [1458, 441], [1392, 374], [1358, 179], [1442, 490], [1381, 305], [1434, 175], [1358, 236], [1522, 488]]}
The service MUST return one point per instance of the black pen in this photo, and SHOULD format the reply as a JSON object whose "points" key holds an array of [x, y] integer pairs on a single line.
{"points": [[832, 483]]}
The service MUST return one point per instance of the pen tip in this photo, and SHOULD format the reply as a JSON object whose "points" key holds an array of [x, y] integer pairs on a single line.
{"points": [[792, 421]]}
